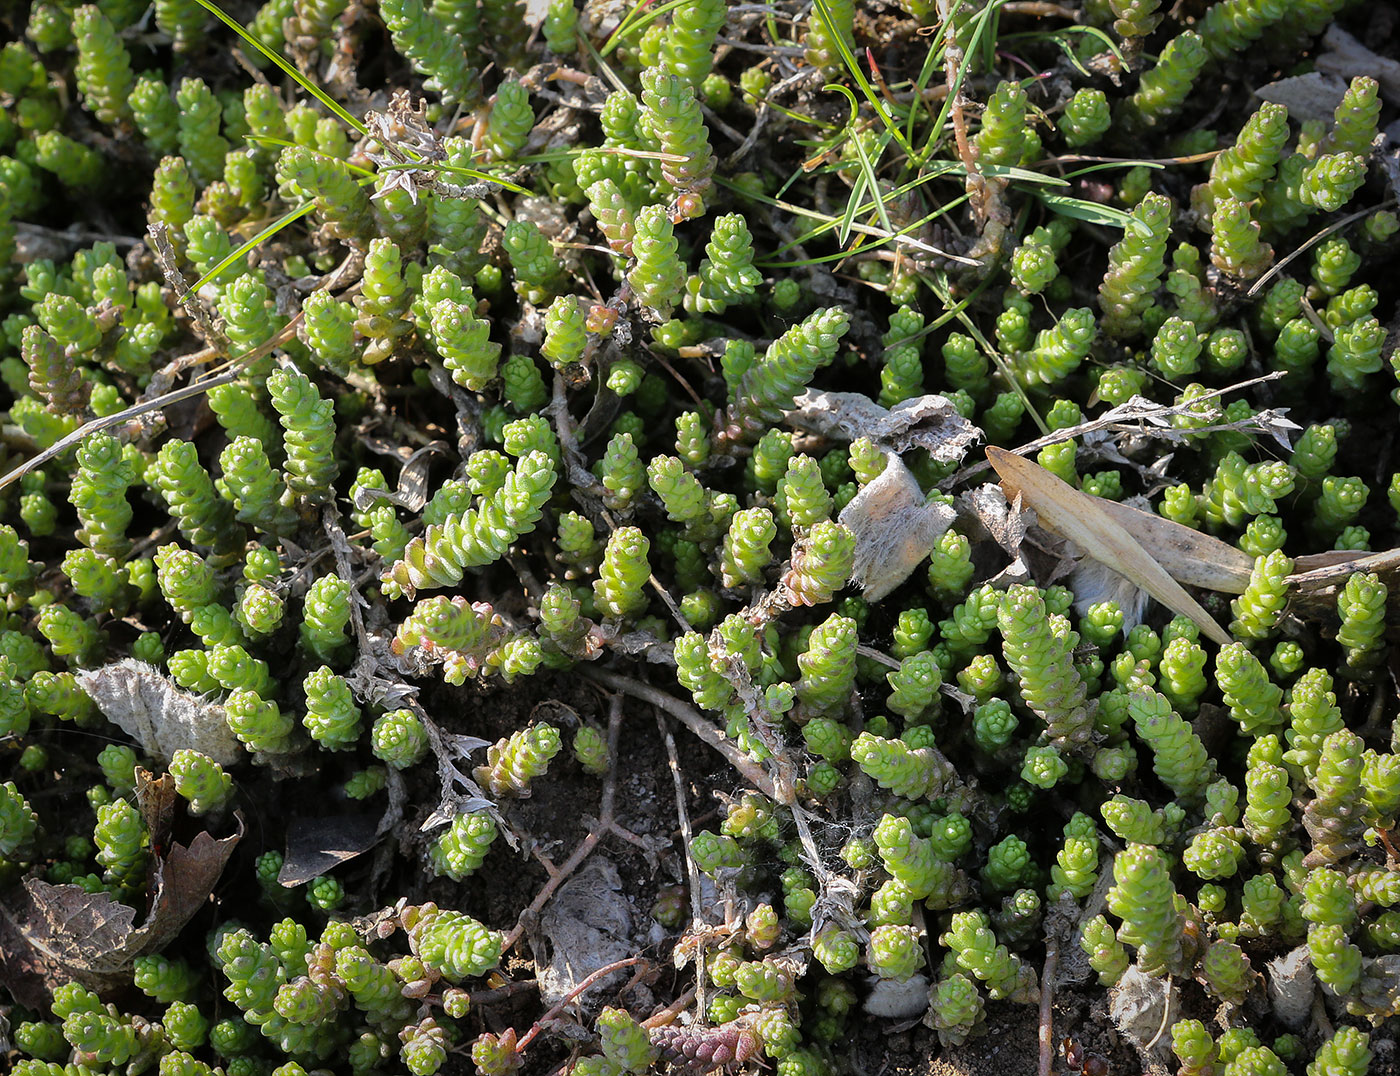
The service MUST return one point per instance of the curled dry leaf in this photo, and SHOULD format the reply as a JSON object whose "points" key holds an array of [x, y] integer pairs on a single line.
{"points": [[1084, 521], [1142, 1004], [927, 422], [157, 714], [155, 799], [894, 528], [1005, 525], [1292, 987], [413, 486], [51, 934]]}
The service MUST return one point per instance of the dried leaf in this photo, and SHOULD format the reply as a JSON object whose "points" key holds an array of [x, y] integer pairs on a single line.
{"points": [[1190, 557], [317, 845], [894, 529], [1318, 571], [1314, 96], [1081, 518], [412, 491], [1003, 523], [155, 797], [1094, 582], [1292, 987], [1347, 57], [449, 748], [1140, 417], [585, 926], [927, 422], [161, 717], [50, 934], [894, 999]]}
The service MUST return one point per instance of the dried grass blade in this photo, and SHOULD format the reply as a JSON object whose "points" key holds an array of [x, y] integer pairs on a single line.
{"points": [[1080, 518]]}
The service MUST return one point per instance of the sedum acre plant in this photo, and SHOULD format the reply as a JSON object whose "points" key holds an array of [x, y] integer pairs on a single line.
{"points": [[447, 393]]}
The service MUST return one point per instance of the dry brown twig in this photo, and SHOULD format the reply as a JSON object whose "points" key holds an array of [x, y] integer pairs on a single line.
{"points": [[605, 823], [692, 719], [1047, 1005], [136, 410], [568, 999], [1142, 417], [687, 833], [984, 192]]}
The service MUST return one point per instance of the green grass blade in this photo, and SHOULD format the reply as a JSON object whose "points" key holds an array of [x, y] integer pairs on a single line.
{"points": [[458, 170], [628, 26], [1060, 39], [289, 217], [848, 60], [1103, 166], [300, 79], [880, 240], [932, 60], [1023, 175], [936, 133], [1090, 212], [867, 171]]}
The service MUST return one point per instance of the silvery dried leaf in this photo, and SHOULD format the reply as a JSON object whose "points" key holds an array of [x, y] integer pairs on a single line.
{"points": [[1347, 57], [1314, 96], [894, 529], [927, 422], [1006, 525], [1291, 987], [585, 926], [1137, 1003], [412, 491], [1093, 582], [893, 1000], [160, 716]]}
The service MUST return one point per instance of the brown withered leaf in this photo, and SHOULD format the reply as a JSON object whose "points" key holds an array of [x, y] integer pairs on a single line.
{"points": [[51, 934], [928, 422], [1082, 519], [156, 713], [155, 797], [1192, 558]]}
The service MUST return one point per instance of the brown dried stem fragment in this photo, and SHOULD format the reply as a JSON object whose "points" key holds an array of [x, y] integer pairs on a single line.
{"points": [[605, 824]]}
